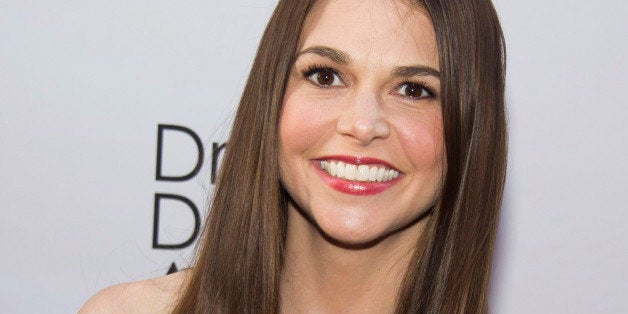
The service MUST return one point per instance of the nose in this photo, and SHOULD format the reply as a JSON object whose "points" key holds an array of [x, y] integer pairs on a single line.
{"points": [[363, 120]]}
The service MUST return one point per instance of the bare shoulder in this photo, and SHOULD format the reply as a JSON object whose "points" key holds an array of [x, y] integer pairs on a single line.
{"points": [[157, 295]]}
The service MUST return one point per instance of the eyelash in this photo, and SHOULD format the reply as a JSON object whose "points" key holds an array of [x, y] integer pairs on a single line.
{"points": [[317, 68], [430, 92]]}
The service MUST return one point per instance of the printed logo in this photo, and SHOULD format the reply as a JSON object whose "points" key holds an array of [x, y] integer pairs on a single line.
{"points": [[175, 203]]}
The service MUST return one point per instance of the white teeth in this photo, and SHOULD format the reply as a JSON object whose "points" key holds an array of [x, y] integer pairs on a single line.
{"points": [[358, 173], [350, 171], [373, 173], [363, 172], [380, 174], [340, 169]]}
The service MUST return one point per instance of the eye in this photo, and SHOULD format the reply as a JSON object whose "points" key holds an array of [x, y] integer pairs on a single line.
{"points": [[415, 91], [325, 77]]}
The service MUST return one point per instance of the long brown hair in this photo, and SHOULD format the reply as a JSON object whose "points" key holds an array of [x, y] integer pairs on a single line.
{"points": [[238, 264]]}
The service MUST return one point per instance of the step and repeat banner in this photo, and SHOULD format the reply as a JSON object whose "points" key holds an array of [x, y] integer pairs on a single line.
{"points": [[114, 116]]}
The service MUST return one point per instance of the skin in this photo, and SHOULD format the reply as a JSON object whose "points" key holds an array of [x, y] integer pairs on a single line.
{"points": [[348, 253], [156, 295]]}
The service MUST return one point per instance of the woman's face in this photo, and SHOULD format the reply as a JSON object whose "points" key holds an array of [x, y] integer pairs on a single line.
{"points": [[361, 143]]}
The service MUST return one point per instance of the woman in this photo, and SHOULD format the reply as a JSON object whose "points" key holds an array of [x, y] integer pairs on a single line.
{"points": [[364, 171]]}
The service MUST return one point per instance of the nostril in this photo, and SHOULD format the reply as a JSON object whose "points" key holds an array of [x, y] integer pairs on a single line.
{"points": [[382, 129], [363, 120]]}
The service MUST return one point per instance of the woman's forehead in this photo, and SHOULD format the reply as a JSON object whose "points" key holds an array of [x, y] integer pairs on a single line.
{"points": [[366, 29]]}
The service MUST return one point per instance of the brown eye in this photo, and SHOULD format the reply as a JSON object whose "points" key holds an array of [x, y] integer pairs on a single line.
{"points": [[324, 77], [414, 90]]}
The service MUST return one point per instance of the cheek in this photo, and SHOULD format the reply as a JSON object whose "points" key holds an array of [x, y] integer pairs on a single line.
{"points": [[302, 123], [291, 133], [294, 131], [301, 128], [296, 135], [422, 142]]}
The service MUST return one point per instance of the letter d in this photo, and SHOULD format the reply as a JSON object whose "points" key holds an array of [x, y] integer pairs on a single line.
{"points": [[197, 222], [160, 138]]}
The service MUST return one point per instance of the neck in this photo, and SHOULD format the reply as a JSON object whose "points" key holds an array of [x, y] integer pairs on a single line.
{"points": [[322, 276]]}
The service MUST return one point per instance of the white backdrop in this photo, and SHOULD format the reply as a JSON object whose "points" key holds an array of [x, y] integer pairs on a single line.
{"points": [[85, 85]]}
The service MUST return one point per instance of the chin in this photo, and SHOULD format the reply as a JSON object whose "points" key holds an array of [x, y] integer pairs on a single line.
{"points": [[356, 233], [357, 227], [352, 238]]}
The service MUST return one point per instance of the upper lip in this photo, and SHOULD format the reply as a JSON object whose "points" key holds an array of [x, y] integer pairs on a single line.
{"points": [[361, 160]]}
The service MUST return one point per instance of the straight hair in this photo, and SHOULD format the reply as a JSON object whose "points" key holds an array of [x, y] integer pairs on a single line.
{"points": [[238, 262]]}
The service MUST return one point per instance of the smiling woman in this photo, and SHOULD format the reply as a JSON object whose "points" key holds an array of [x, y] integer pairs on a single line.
{"points": [[371, 106], [365, 167]]}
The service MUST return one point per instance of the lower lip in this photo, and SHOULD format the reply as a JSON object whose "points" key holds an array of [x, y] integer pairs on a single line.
{"points": [[354, 187]]}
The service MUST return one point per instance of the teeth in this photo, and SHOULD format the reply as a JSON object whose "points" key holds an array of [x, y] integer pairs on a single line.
{"points": [[363, 172], [358, 173], [380, 174], [340, 169], [373, 174], [350, 171]]}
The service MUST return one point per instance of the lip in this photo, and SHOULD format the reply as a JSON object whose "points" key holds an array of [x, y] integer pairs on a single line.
{"points": [[355, 187]]}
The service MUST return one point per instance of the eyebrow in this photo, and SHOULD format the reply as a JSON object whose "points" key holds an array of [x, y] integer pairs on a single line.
{"points": [[330, 53], [342, 57], [417, 70]]}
